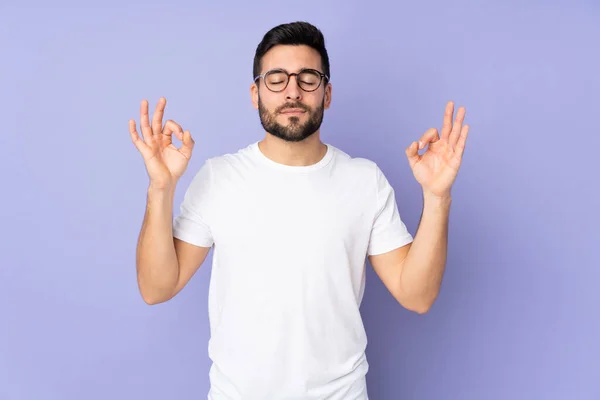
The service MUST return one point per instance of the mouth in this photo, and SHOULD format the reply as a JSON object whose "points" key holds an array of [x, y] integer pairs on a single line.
{"points": [[292, 111]]}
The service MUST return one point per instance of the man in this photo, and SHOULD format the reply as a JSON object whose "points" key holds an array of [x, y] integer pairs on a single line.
{"points": [[292, 221]]}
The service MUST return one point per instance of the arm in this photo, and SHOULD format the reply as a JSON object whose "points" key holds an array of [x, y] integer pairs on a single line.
{"points": [[164, 264], [413, 273]]}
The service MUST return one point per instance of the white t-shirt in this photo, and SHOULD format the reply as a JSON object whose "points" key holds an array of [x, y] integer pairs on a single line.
{"points": [[288, 275]]}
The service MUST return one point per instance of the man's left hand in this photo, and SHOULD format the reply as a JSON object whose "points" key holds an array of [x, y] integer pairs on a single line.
{"points": [[437, 168]]}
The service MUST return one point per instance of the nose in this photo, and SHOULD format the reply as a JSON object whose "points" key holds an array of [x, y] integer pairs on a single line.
{"points": [[292, 91]]}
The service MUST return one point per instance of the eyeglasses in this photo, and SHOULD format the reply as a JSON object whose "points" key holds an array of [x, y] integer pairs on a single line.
{"points": [[276, 80]]}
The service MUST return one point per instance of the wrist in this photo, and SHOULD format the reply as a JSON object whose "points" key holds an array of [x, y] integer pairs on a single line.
{"points": [[160, 192], [444, 198], [436, 204]]}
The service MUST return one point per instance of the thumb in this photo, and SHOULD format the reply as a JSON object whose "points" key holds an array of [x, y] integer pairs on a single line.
{"points": [[187, 145]]}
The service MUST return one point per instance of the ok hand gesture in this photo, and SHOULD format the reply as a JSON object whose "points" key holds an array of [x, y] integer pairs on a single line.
{"points": [[164, 162], [437, 168]]}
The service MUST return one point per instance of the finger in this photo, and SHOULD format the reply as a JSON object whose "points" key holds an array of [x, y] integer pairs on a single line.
{"points": [[447, 124], [137, 141], [145, 122], [159, 112], [462, 141], [188, 145], [171, 127], [430, 136], [412, 154], [457, 127]]}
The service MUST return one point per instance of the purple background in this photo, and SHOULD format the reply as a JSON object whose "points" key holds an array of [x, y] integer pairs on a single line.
{"points": [[517, 317]]}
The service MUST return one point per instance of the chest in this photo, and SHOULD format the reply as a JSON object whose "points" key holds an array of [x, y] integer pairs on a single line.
{"points": [[293, 215]]}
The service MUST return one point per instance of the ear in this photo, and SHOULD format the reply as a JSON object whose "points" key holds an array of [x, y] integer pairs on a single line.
{"points": [[327, 96], [254, 95]]}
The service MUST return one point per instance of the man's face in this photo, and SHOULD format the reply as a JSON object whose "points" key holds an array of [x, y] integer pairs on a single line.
{"points": [[292, 114]]}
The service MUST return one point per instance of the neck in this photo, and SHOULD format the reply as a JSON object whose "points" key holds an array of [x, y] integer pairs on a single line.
{"points": [[308, 152]]}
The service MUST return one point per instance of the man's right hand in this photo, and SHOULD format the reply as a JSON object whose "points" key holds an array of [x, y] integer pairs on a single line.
{"points": [[164, 162]]}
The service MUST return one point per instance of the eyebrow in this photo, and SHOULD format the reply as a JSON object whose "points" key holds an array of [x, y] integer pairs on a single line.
{"points": [[298, 70]]}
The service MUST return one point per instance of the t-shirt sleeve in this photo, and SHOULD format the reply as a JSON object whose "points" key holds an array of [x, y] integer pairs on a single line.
{"points": [[389, 231], [191, 224]]}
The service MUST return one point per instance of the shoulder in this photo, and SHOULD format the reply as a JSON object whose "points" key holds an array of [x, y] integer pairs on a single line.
{"points": [[226, 164], [363, 173], [226, 174], [237, 159], [359, 168]]}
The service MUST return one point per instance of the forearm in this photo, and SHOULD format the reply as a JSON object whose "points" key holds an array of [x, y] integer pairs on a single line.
{"points": [[423, 268], [157, 265]]}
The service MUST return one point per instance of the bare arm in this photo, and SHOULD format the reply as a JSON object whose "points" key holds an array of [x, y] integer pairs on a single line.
{"points": [[413, 273], [164, 264], [424, 265]]}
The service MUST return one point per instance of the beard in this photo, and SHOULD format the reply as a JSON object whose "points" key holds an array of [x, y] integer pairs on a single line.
{"points": [[294, 131]]}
